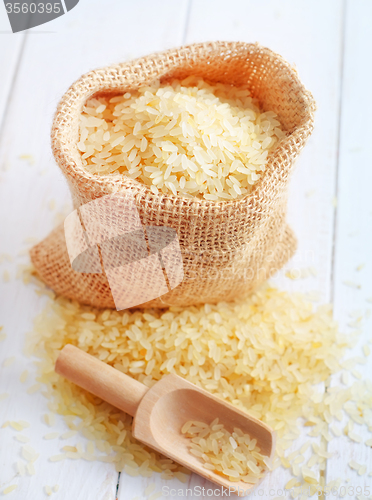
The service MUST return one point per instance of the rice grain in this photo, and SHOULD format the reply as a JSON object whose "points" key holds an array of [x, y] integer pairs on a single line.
{"points": [[253, 343], [190, 138], [9, 489]]}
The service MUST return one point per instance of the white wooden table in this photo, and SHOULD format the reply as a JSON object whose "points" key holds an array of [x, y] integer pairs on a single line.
{"points": [[330, 43]]}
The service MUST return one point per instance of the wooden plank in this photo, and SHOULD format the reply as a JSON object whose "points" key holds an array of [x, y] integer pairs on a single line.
{"points": [[312, 42], [353, 242], [287, 29], [299, 33], [52, 60]]}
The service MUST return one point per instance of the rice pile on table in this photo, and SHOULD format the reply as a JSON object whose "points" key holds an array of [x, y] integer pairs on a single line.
{"points": [[264, 355], [233, 455], [189, 138]]}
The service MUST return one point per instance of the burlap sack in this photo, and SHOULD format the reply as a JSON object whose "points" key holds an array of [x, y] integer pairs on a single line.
{"points": [[228, 247]]}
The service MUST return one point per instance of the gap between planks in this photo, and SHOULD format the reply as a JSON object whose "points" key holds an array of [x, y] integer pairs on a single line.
{"points": [[324, 473], [184, 35]]}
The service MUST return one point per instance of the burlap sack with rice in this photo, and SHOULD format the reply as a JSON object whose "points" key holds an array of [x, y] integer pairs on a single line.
{"points": [[228, 247]]}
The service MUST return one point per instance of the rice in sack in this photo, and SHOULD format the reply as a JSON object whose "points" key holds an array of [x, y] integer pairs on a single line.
{"points": [[230, 244], [190, 138]]}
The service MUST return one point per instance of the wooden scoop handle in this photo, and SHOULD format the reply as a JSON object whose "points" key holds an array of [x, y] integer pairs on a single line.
{"points": [[100, 379]]}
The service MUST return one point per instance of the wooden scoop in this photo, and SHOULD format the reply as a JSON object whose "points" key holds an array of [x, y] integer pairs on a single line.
{"points": [[160, 412]]}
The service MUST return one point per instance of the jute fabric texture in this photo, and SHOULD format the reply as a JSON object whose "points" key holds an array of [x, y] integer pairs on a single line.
{"points": [[228, 247]]}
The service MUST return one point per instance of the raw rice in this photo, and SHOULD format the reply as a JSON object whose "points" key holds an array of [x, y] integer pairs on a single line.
{"points": [[50, 419], [68, 434], [352, 284], [354, 465], [301, 273], [31, 469], [20, 425], [51, 435], [57, 458], [24, 423], [22, 439], [34, 388], [29, 454], [233, 455], [21, 469], [6, 256], [189, 138], [48, 490], [291, 483], [16, 425], [8, 361], [23, 376], [150, 488], [155, 495], [270, 353], [9, 489], [362, 470]]}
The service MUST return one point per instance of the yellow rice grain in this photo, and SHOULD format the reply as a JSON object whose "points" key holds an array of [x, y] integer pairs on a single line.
{"points": [[272, 352], [9, 489]]}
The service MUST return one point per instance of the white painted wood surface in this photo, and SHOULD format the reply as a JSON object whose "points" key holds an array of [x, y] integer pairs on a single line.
{"points": [[353, 229], [10, 50], [330, 44]]}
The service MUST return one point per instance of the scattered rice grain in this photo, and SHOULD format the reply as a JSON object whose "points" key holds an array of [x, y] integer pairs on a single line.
{"points": [[8, 361], [9, 489]]}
